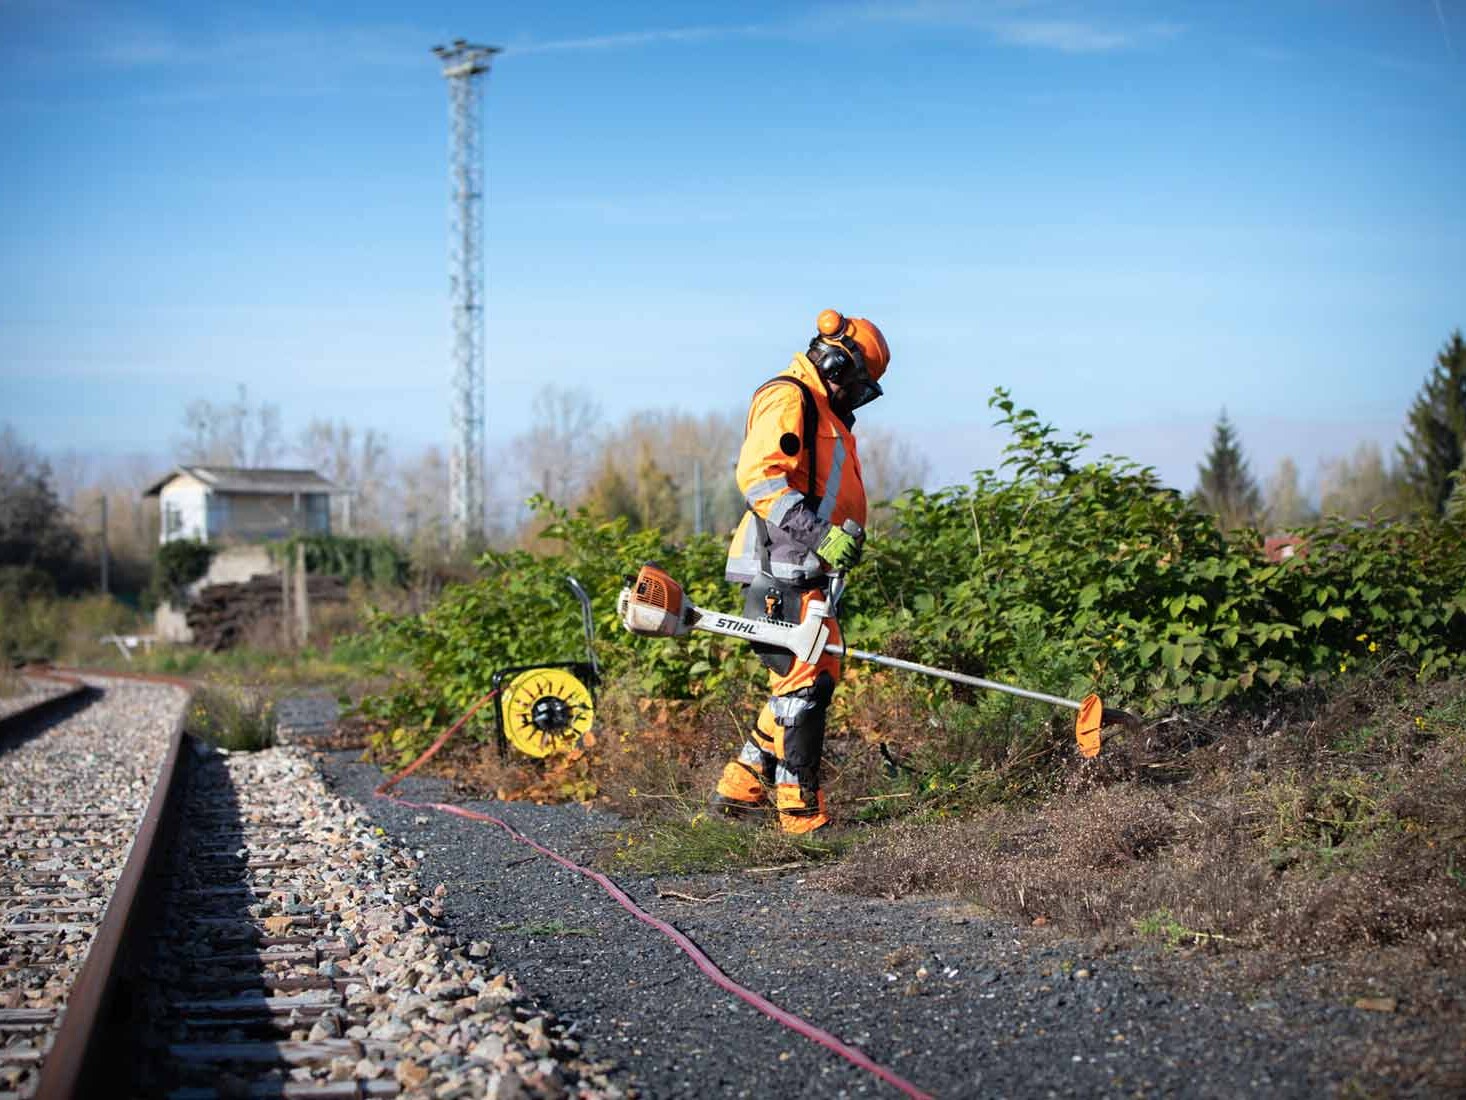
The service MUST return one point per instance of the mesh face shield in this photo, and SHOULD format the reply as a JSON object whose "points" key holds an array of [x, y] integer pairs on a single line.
{"points": [[842, 364], [859, 390]]}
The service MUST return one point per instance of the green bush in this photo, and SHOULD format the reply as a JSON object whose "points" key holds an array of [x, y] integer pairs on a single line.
{"points": [[45, 628], [231, 718], [1053, 574], [521, 611], [1109, 565], [179, 563], [377, 561]]}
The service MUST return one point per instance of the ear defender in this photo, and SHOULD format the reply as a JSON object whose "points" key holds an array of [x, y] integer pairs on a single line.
{"points": [[839, 354]]}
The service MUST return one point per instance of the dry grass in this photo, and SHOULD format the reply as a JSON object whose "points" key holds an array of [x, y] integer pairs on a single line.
{"points": [[1322, 825], [231, 717], [1326, 821]]}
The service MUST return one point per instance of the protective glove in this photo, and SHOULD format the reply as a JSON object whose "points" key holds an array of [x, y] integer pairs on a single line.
{"points": [[841, 547]]}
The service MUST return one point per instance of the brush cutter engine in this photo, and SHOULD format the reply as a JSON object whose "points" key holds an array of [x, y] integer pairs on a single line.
{"points": [[652, 605]]}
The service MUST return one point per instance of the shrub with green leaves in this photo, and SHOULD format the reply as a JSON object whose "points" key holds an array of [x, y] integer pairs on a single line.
{"points": [[521, 612], [376, 561], [179, 563], [1052, 573], [1100, 560]]}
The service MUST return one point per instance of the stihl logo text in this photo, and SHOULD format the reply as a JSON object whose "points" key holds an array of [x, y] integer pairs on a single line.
{"points": [[738, 625]]}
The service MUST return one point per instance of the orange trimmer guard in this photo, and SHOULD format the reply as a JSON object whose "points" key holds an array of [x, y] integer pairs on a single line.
{"points": [[1087, 726]]}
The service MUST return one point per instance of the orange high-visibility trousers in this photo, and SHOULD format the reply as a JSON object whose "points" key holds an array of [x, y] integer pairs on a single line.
{"points": [[781, 756]]}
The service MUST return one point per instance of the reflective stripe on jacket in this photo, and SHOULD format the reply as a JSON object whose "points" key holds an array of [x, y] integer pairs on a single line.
{"points": [[773, 476]]}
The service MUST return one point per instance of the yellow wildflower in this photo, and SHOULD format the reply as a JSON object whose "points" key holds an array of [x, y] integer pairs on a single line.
{"points": [[1373, 647]]}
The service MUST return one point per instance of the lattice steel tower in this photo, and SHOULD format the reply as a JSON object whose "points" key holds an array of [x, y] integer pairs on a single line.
{"points": [[463, 65]]}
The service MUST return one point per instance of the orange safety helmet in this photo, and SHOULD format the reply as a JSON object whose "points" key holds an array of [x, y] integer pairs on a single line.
{"points": [[851, 353]]}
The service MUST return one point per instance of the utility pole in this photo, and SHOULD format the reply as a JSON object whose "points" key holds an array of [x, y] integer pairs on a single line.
{"points": [[105, 563], [463, 65], [697, 496]]}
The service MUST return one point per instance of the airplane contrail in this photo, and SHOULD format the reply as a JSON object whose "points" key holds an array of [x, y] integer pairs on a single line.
{"points": [[1445, 30]]}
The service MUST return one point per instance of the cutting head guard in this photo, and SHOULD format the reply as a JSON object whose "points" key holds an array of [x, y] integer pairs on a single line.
{"points": [[850, 353]]}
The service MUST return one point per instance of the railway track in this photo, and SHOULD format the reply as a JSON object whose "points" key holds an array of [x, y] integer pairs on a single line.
{"points": [[72, 794], [188, 923], [245, 991]]}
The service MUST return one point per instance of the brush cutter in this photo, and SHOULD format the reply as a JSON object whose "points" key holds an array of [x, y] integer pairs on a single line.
{"points": [[654, 605]]}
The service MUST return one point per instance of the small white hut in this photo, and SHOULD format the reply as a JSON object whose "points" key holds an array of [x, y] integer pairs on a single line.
{"points": [[232, 504]]}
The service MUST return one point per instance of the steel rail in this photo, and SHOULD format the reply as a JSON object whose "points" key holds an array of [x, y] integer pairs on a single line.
{"points": [[51, 705], [87, 1057]]}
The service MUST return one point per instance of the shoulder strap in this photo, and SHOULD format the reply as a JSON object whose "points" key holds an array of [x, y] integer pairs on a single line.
{"points": [[811, 446], [811, 430]]}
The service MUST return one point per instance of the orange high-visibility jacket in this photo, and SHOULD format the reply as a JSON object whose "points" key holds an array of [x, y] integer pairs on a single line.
{"points": [[773, 476]]}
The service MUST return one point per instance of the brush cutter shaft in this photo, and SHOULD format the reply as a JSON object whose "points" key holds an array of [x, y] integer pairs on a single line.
{"points": [[955, 677]]}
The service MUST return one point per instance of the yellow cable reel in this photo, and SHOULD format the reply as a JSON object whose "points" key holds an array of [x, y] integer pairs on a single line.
{"points": [[544, 711]]}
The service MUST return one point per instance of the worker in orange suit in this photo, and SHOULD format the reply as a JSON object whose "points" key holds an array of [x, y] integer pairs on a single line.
{"points": [[800, 477]]}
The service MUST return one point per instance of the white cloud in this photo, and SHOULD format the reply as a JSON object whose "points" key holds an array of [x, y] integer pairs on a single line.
{"points": [[1072, 36], [1032, 24], [631, 39]]}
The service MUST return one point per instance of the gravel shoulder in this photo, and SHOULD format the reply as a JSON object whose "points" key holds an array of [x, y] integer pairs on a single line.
{"points": [[72, 789], [960, 1004], [32, 690]]}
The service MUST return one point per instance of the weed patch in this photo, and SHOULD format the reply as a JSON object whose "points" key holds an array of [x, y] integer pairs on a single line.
{"points": [[716, 844], [1265, 834], [231, 718]]}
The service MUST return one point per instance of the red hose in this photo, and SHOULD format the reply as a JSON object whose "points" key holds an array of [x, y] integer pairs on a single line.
{"points": [[690, 949]]}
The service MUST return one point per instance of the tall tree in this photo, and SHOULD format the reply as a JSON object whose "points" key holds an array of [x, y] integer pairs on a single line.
{"points": [[649, 498], [421, 506], [556, 454], [696, 452], [355, 462], [1435, 429], [610, 494], [1456, 504], [35, 531], [890, 464], [237, 433], [657, 496], [1360, 486], [1286, 504], [1226, 488]]}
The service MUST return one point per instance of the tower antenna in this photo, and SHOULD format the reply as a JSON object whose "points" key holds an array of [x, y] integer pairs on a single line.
{"points": [[463, 65]]}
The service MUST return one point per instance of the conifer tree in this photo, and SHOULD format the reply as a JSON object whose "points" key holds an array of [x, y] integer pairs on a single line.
{"points": [[1226, 488], [1435, 430], [1286, 504]]}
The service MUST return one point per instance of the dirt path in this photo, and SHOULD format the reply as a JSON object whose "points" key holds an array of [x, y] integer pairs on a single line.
{"points": [[959, 1004]]}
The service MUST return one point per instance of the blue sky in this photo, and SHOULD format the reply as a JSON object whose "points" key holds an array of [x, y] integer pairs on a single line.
{"points": [[1131, 214]]}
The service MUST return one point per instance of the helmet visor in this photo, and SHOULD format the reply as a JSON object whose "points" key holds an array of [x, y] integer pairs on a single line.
{"points": [[859, 391]]}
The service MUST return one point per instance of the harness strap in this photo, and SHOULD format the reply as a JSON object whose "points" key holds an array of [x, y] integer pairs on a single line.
{"points": [[811, 446]]}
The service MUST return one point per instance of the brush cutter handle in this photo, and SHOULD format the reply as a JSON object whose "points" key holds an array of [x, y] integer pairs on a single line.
{"points": [[837, 589]]}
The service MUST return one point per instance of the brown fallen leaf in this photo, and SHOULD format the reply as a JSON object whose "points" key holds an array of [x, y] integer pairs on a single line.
{"points": [[1376, 1004]]}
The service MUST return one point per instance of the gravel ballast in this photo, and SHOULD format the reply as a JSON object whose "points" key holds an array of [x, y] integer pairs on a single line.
{"points": [[71, 792], [32, 690], [380, 996], [960, 1004]]}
